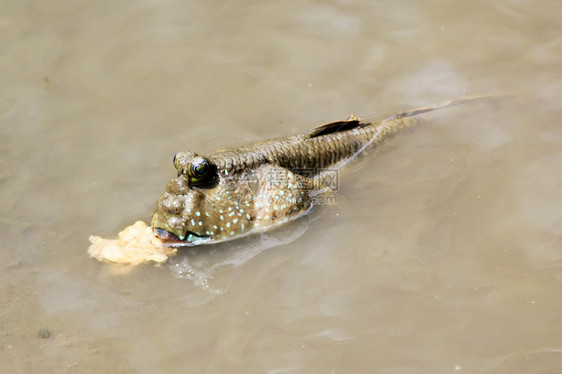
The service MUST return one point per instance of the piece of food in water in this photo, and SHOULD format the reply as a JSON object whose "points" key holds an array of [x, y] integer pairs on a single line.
{"points": [[136, 244]]}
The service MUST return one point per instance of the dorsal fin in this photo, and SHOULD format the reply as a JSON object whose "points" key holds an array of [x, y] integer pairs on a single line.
{"points": [[334, 127]]}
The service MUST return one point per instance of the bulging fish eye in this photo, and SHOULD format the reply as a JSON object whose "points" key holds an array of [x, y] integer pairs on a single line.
{"points": [[201, 168], [202, 173]]}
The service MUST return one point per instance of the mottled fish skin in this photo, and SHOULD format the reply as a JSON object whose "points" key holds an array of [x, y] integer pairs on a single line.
{"points": [[238, 205], [261, 185], [235, 192]]}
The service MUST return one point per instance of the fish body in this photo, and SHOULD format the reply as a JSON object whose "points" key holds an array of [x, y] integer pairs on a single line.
{"points": [[235, 192]]}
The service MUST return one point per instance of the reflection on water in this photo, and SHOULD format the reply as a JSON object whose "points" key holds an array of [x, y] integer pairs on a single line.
{"points": [[457, 222], [203, 264]]}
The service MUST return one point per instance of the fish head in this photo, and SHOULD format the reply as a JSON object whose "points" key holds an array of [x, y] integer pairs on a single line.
{"points": [[206, 204], [202, 204]]}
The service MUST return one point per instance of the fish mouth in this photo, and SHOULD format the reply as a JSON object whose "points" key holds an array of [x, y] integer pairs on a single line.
{"points": [[172, 240]]}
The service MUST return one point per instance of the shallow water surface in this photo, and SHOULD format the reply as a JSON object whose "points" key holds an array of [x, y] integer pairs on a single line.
{"points": [[443, 253]]}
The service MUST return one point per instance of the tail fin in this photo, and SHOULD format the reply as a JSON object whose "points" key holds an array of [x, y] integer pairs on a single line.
{"points": [[450, 103]]}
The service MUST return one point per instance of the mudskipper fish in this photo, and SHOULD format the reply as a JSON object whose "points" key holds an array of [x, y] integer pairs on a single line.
{"points": [[236, 192]]}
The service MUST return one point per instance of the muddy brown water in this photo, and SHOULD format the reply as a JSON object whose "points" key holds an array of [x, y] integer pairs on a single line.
{"points": [[443, 253]]}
